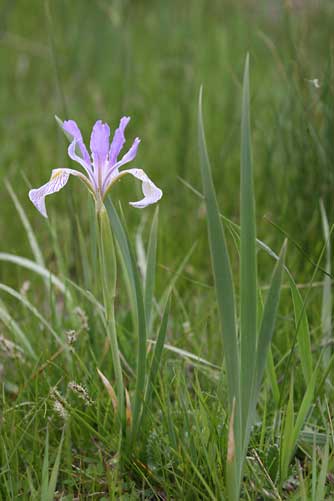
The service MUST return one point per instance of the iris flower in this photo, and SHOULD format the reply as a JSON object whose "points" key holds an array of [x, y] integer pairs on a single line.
{"points": [[101, 168]]}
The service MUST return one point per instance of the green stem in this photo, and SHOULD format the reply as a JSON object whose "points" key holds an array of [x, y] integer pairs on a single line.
{"points": [[108, 271]]}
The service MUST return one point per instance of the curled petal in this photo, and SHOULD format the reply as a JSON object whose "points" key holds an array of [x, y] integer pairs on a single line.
{"points": [[118, 140], [73, 133], [58, 180], [72, 153], [99, 143], [151, 192]]}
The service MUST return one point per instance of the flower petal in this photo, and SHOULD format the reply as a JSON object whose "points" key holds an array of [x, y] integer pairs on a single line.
{"points": [[73, 133], [151, 192], [118, 140], [130, 155], [72, 153], [99, 143], [112, 171], [58, 180]]}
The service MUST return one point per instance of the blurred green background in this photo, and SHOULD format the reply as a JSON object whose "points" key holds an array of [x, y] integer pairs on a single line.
{"points": [[86, 60]]}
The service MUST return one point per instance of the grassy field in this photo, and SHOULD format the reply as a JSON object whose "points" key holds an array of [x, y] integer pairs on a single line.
{"points": [[200, 421]]}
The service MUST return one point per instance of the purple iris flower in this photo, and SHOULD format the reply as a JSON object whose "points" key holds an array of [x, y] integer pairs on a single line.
{"points": [[101, 167]]}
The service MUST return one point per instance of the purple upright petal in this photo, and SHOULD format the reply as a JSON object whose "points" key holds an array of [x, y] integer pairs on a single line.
{"points": [[72, 129], [130, 155], [99, 143], [118, 140]]}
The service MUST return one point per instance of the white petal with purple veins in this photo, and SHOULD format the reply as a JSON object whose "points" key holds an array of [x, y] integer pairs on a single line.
{"points": [[151, 192], [58, 180]]}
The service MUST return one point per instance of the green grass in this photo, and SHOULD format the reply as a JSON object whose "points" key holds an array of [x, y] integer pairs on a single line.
{"points": [[87, 60]]}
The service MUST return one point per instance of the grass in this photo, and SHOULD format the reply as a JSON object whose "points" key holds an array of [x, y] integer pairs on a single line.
{"points": [[89, 60]]}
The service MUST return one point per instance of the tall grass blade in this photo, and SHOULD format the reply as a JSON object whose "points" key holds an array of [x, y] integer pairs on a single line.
{"points": [[157, 353], [222, 272], [171, 284], [291, 436], [54, 473], [273, 377], [45, 468], [124, 252], [13, 326], [326, 310], [269, 319], [134, 281], [303, 331], [150, 268], [321, 487], [37, 253], [36, 268], [23, 300], [287, 436], [248, 269], [221, 266], [188, 355]]}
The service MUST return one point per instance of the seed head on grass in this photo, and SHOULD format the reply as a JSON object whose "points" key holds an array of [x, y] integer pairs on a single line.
{"points": [[80, 391], [58, 404], [10, 349]]}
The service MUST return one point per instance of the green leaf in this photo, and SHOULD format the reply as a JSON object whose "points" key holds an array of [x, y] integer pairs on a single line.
{"points": [[38, 269], [320, 493], [220, 262], [269, 319], [287, 434], [23, 300], [157, 353], [45, 468], [13, 326], [326, 309], [273, 377], [248, 268], [108, 278], [303, 331], [54, 473], [221, 266], [134, 281], [150, 268], [37, 253]]}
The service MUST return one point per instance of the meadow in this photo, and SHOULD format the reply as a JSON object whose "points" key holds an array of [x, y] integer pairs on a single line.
{"points": [[182, 350]]}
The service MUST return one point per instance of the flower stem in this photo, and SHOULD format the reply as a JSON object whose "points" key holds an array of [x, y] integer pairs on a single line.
{"points": [[108, 271]]}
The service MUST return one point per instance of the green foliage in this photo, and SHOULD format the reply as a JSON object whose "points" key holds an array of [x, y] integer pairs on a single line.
{"points": [[192, 325]]}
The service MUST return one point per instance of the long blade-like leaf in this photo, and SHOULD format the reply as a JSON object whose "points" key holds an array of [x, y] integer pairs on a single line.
{"points": [[55, 472], [150, 268], [248, 271], [269, 319], [303, 331], [220, 262], [158, 349], [12, 325], [36, 268], [131, 271], [221, 266], [326, 310], [27, 226]]}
